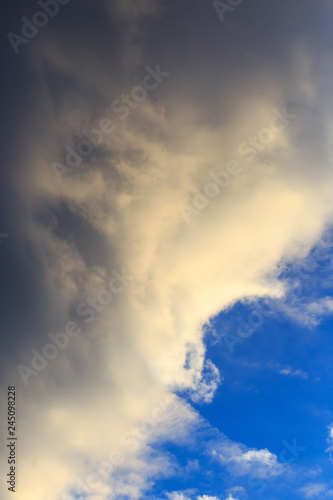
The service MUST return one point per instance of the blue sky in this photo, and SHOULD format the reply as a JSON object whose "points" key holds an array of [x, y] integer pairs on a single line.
{"points": [[274, 391]]}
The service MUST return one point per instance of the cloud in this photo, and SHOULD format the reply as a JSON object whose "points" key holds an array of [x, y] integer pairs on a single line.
{"points": [[177, 496], [121, 210], [287, 371], [307, 312], [183, 496], [241, 461], [207, 384], [207, 497], [236, 492], [330, 441], [313, 490], [294, 373]]}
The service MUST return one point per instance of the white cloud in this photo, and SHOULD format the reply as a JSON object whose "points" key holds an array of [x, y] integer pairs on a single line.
{"points": [[330, 441], [309, 313], [207, 497], [236, 492], [294, 373], [313, 490], [188, 495], [192, 466], [183, 496], [207, 384], [242, 461], [177, 496], [262, 463]]}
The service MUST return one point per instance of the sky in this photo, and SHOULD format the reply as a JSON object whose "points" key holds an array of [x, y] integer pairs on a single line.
{"points": [[166, 249]]}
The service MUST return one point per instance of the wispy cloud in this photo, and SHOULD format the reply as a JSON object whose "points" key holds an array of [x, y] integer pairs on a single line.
{"points": [[330, 441], [294, 373], [307, 312], [316, 490]]}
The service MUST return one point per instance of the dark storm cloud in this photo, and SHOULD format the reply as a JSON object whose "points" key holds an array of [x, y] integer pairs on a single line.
{"points": [[242, 55], [36, 94]]}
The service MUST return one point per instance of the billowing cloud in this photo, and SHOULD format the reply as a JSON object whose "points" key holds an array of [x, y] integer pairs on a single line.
{"points": [[196, 195]]}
